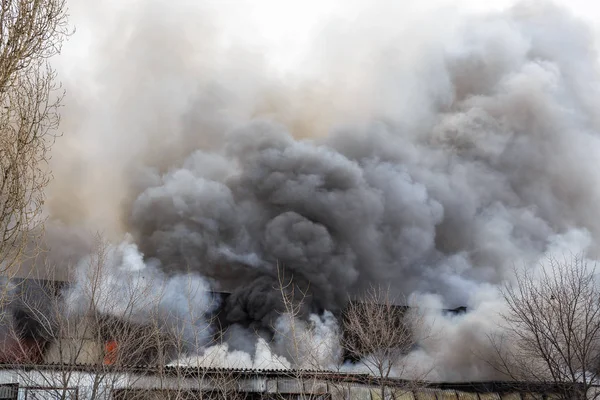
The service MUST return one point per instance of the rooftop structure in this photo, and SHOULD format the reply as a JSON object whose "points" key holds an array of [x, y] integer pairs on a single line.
{"points": [[145, 382]]}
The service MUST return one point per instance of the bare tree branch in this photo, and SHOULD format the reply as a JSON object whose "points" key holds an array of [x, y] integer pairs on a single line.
{"points": [[379, 333], [552, 326], [31, 31]]}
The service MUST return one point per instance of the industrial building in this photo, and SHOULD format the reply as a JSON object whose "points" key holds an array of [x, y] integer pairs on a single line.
{"points": [[83, 382], [102, 359]]}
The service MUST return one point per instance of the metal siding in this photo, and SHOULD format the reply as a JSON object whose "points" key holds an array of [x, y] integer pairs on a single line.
{"points": [[287, 385], [554, 396], [467, 396], [360, 393], [253, 385], [511, 396], [403, 394], [201, 383], [532, 396], [592, 393], [376, 394], [446, 395], [9, 376], [271, 386], [489, 396], [425, 394], [338, 391], [315, 387]]}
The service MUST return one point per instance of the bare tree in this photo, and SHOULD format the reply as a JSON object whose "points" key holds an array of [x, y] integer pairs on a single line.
{"points": [[303, 342], [120, 329], [378, 334], [31, 32], [91, 339], [303, 348], [204, 380], [189, 371], [552, 327]]}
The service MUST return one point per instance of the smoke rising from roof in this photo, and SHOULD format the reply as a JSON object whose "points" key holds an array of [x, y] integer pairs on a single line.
{"points": [[429, 154]]}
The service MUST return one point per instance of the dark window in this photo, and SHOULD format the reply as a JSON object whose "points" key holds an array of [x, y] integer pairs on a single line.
{"points": [[50, 393], [9, 391]]}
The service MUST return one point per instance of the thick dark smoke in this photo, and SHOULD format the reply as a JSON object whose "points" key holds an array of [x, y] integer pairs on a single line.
{"points": [[430, 209], [325, 218], [430, 155]]}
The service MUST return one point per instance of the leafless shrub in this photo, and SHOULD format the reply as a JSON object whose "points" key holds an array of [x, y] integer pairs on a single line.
{"points": [[379, 333], [306, 350], [91, 346], [552, 327]]}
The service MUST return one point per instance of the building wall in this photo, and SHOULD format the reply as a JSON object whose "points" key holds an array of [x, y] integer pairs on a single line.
{"points": [[76, 351], [68, 384]]}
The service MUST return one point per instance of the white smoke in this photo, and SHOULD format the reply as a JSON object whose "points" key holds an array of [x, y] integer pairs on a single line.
{"points": [[312, 344], [459, 347], [221, 356], [117, 281]]}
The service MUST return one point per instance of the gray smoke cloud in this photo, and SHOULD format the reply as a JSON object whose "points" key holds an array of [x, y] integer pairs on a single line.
{"points": [[430, 155]]}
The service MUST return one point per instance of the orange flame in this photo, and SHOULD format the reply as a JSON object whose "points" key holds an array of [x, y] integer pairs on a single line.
{"points": [[110, 352]]}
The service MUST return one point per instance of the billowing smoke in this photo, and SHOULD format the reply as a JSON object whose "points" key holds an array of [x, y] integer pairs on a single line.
{"points": [[431, 153], [116, 282]]}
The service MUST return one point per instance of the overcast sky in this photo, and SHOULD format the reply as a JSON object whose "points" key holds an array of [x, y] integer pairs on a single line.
{"points": [[282, 28]]}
